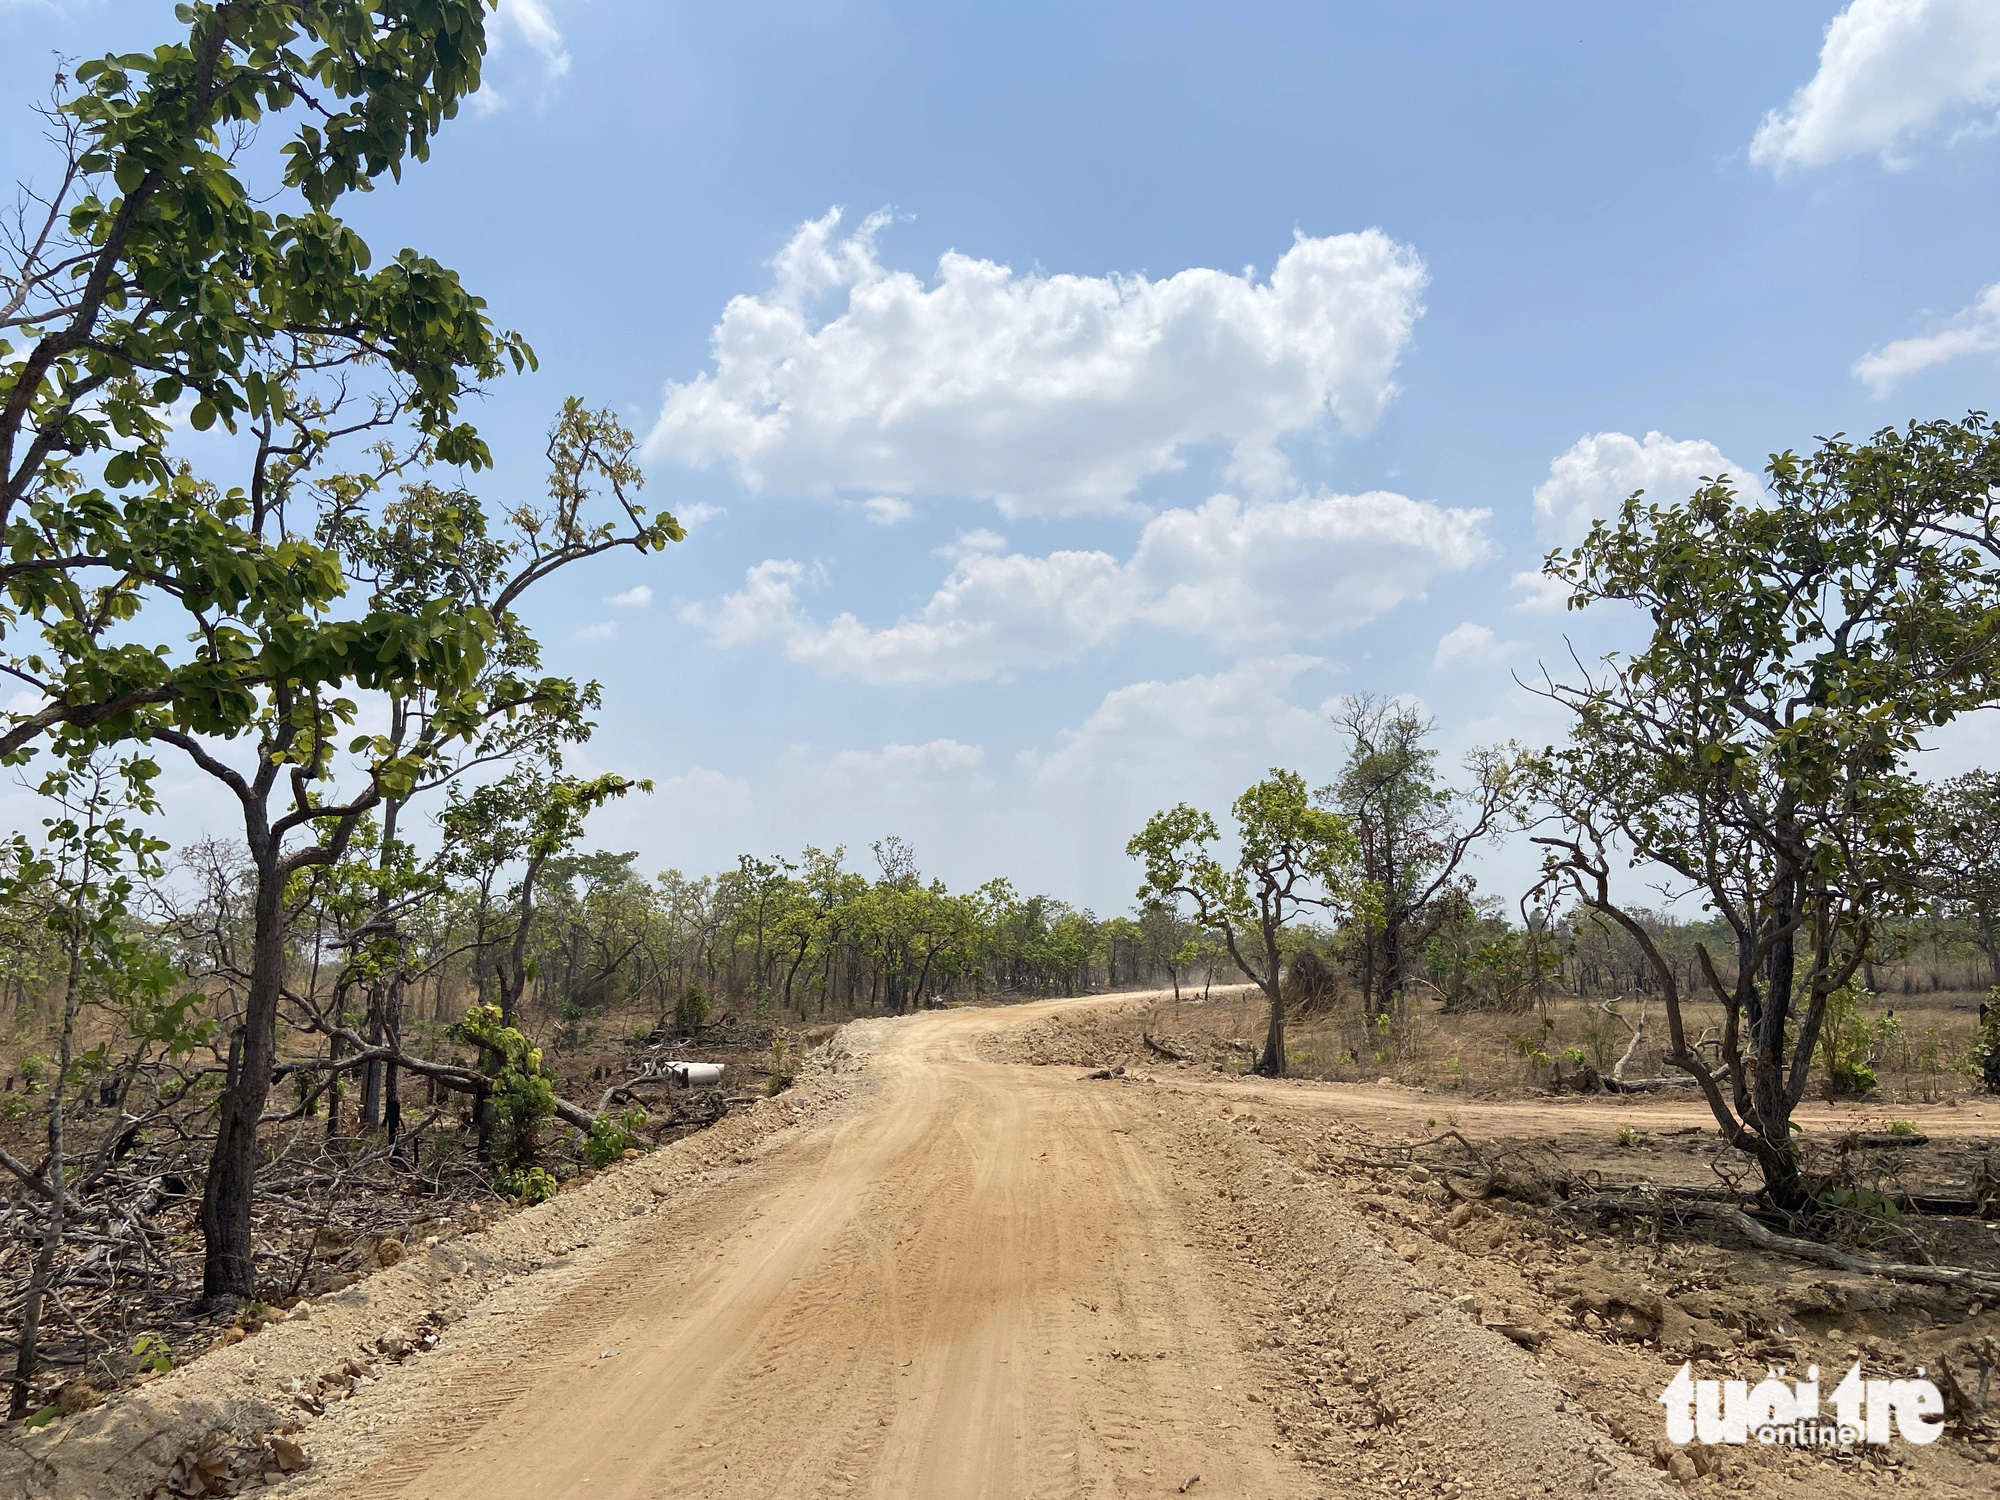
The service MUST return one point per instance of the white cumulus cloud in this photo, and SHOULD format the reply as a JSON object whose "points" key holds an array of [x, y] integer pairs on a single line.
{"points": [[765, 608], [525, 23], [1975, 330], [1201, 738], [530, 22], [1890, 72], [636, 597], [1591, 480], [887, 510], [1043, 393], [940, 757], [1540, 594], [1471, 645], [1233, 572]]}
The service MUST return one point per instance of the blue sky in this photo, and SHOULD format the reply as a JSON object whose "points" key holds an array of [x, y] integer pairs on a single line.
{"points": [[1277, 341]]}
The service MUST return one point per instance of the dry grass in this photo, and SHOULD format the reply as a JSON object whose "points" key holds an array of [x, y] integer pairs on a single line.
{"points": [[1925, 1059]]}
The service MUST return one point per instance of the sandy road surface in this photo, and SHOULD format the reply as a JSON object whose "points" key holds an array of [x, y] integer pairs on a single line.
{"points": [[976, 1288]]}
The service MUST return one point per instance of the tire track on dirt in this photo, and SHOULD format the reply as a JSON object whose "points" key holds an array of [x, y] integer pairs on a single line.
{"points": [[991, 1281], [926, 1304]]}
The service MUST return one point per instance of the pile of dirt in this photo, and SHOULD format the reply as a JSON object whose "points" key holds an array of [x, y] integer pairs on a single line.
{"points": [[1375, 1378], [1122, 1037], [1608, 1317]]}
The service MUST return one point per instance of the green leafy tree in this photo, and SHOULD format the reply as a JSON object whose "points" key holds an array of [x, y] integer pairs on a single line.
{"points": [[1960, 845], [808, 922], [1293, 858], [1415, 832], [1755, 747], [80, 882], [154, 283], [534, 817], [452, 663], [522, 1097]]}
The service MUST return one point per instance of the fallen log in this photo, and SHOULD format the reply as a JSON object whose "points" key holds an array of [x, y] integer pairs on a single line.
{"points": [[453, 1076], [1647, 1202], [1842, 1260], [1171, 1053], [1687, 1205]]}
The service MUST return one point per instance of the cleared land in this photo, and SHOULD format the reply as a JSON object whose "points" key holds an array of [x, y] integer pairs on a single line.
{"points": [[935, 1269]]}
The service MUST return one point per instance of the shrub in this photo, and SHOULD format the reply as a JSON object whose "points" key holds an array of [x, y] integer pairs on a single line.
{"points": [[523, 1095], [1626, 1137], [1847, 1044], [690, 1011], [1875, 1210], [1985, 1058], [1527, 1049], [150, 1352], [1902, 1127], [610, 1138], [531, 1185]]}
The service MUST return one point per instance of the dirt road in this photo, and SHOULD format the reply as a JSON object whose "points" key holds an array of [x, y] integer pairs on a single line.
{"points": [[929, 1273], [975, 1289]]}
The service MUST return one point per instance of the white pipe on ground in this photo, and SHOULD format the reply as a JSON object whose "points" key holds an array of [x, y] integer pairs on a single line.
{"points": [[693, 1075]]}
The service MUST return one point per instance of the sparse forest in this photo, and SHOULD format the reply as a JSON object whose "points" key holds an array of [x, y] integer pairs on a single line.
{"points": [[339, 1018], [414, 983]]}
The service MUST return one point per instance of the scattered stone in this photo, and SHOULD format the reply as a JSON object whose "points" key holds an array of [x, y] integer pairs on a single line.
{"points": [[1682, 1468], [389, 1251], [1466, 1303]]}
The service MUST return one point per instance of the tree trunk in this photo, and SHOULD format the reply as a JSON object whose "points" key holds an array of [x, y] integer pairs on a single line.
{"points": [[514, 978], [229, 1266], [392, 1090], [371, 1077], [1272, 1063], [29, 1338], [1392, 965], [1369, 944], [1775, 1154], [335, 1047]]}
